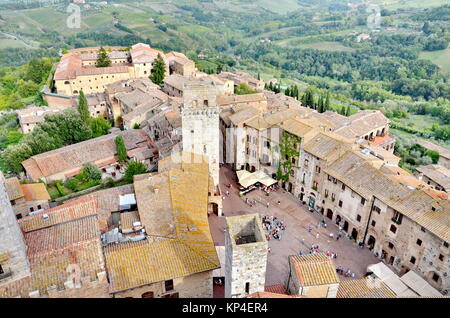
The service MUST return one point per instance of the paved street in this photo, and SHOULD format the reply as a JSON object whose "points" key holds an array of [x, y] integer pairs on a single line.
{"points": [[296, 218]]}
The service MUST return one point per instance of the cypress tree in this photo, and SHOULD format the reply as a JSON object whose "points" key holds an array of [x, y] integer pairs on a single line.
{"points": [[327, 102], [287, 92], [121, 149], [159, 71], [103, 58], [83, 108]]}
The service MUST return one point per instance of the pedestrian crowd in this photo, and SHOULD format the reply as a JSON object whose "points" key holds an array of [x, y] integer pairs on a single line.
{"points": [[273, 227]]}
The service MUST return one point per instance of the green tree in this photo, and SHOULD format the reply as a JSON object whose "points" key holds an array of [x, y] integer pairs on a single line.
{"points": [[38, 70], [327, 102], [121, 149], [13, 157], [134, 168], [159, 71], [92, 172], [99, 126], [243, 89], [103, 59], [83, 108]]}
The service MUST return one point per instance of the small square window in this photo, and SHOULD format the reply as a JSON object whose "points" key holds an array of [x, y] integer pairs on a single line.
{"points": [[340, 203], [419, 242], [391, 246], [435, 277], [441, 257], [445, 244], [169, 285], [373, 223], [393, 228], [412, 260], [358, 218]]}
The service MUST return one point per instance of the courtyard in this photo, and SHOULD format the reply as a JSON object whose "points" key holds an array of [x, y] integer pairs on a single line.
{"points": [[296, 237]]}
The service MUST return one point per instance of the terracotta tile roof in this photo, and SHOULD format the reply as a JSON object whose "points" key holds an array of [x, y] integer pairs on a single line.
{"points": [[71, 238], [128, 218], [272, 295], [379, 140], [35, 192], [276, 289], [244, 115], [51, 269], [62, 235], [75, 156], [325, 145], [111, 55], [296, 127], [142, 53], [174, 215], [79, 208], [314, 269], [364, 288], [135, 264], [438, 174], [14, 188], [225, 100], [32, 115], [86, 71], [362, 123], [178, 58]]}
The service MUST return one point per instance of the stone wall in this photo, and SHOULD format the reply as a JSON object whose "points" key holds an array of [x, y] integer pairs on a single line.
{"points": [[198, 285], [13, 251], [245, 264]]}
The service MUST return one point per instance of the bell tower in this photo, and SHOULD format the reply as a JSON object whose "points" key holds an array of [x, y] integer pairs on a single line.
{"points": [[200, 123], [14, 263]]}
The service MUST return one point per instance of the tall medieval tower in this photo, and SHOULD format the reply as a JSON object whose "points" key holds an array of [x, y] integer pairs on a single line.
{"points": [[200, 124], [14, 263], [245, 256]]}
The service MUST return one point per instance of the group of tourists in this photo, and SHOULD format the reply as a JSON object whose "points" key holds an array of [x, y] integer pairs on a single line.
{"points": [[347, 273], [273, 227]]}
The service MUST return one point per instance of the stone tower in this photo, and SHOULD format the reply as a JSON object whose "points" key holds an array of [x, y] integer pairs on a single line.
{"points": [[13, 251], [200, 123], [245, 256]]}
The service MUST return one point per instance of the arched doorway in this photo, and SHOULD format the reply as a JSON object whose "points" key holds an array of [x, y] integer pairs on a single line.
{"points": [[329, 214], [345, 228], [371, 242], [355, 234], [214, 208], [338, 219]]}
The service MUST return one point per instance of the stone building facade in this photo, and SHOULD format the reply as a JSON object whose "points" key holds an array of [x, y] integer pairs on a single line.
{"points": [[200, 124], [245, 256], [14, 264]]}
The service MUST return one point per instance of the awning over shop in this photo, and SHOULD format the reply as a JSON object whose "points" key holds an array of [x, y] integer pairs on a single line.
{"points": [[388, 277], [247, 179]]}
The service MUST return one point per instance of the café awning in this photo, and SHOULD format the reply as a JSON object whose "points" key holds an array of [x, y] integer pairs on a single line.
{"points": [[247, 179]]}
